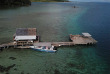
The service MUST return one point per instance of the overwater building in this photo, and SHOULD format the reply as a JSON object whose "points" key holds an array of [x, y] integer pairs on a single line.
{"points": [[25, 36]]}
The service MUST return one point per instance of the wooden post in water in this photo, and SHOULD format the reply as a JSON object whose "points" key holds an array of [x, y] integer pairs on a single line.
{"points": [[15, 46], [7, 46], [1, 49], [4, 47]]}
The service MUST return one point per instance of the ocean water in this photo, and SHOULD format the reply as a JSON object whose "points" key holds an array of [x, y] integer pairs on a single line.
{"points": [[54, 22]]}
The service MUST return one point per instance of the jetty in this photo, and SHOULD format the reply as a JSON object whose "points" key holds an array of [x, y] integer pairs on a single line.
{"points": [[26, 37], [56, 44], [7, 45], [82, 39]]}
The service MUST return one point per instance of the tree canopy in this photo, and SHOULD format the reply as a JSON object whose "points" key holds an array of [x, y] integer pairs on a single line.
{"points": [[24, 2], [49, 0], [14, 2]]}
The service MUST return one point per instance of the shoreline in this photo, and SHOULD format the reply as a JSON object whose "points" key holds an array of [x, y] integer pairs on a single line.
{"points": [[47, 1], [50, 1]]}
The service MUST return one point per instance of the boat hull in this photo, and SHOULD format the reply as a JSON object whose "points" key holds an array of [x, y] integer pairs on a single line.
{"points": [[52, 51], [43, 50]]}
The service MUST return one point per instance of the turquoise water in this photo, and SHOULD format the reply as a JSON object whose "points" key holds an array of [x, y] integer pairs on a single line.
{"points": [[54, 22]]}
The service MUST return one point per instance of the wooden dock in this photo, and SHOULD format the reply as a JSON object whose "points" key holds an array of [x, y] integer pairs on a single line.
{"points": [[62, 43], [7, 45], [84, 40], [22, 47], [56, 44], [75, 40]]}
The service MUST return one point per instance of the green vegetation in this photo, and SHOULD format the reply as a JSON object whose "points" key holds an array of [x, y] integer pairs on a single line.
{"points": [[49, 0], [15, 2], [9, 3]]}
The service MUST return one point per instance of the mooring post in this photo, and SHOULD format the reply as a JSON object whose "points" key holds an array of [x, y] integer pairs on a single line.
{"points": [[7, 46], [1, 49], [4, 47], [15, 46]]}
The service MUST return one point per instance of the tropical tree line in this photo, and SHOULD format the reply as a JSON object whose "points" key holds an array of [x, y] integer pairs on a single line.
{"points": [[49, 0], [24, 2], [14, 2]]}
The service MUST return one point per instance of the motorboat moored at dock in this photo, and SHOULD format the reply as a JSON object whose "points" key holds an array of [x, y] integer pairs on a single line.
{"points": [[44, 48]]}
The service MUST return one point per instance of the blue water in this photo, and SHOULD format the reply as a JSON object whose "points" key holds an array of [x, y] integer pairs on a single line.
{"points": [[54, 22], [96, 21]]}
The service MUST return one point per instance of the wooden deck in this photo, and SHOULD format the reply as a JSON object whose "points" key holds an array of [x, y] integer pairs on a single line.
{"points": [[76, 40], [11, 44], [57, 44], [79, 39], [62, 43], [22, 47]]}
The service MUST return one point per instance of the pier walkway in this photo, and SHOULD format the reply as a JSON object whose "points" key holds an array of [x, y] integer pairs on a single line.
{"points": [[84, 39], [7, 45], [62, 43], [54, 43]]}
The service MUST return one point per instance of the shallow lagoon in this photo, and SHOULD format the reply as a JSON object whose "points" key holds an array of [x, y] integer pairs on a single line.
{"points": [[54, 22]]}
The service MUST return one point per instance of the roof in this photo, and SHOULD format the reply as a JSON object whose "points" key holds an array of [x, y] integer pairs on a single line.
{"points": [[25, 31], [25, 37], [86, 34]]}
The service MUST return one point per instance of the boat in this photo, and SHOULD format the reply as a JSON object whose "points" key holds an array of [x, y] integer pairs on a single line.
{"points": [[43, 48]]}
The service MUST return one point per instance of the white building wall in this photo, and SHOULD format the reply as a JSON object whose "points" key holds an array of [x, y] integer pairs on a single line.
{"points": [[25, 37]]}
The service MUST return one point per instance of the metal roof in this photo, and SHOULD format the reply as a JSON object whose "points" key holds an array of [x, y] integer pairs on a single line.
{"points": [[25, 37], [86, 34], [25, 31]]}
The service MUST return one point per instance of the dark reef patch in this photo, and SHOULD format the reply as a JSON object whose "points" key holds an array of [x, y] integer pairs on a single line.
{"points": [[71, 65], [22, 72], [57, 71], [80, 66], [12, 58], [15, 69], [6, 69]]}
